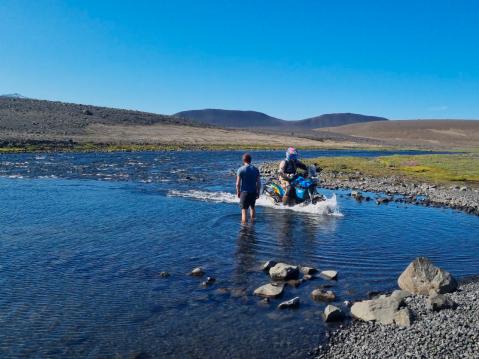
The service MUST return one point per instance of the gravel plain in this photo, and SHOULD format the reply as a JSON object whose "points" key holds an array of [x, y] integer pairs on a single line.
{"points": [[449, 333]]}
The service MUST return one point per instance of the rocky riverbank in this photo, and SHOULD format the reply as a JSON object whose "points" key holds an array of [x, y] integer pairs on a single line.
{"points": [[397, 189], [449, 333]]}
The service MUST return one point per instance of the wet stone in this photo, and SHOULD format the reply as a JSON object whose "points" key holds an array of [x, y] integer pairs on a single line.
{"points": [[209, 281], [270, 290], [197, 272], [164, 274], [283, 271], [290, 304], [268, 265], [329, 274], [323, 295], [332, 313]]}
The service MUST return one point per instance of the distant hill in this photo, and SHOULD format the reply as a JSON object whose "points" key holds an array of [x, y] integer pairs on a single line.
{"points": [[59, 125], [13, 95], [253, 119], [336, 119], [231, 118]]}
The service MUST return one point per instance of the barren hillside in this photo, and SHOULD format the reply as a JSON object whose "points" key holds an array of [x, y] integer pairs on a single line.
{"points": [[425, 133], [27, 121]]}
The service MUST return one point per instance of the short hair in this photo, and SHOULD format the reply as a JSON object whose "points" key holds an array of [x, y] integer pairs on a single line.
{"points": [[247, 158]]}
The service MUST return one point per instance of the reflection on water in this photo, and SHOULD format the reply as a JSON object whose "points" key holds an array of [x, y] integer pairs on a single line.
{"points": [[81, 258]]}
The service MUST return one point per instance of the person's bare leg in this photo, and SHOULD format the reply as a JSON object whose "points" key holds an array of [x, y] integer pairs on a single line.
{"points": [[252, 214], [243, 216]]}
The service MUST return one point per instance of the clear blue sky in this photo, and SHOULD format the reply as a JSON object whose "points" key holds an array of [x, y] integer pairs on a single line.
{"points": [[290, 59]]}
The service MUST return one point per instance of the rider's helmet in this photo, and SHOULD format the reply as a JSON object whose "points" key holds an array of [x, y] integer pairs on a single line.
{"points": [[292, 154]]}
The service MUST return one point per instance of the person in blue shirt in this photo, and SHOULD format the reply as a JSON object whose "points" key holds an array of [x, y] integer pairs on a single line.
{"points": [[248, 186]]}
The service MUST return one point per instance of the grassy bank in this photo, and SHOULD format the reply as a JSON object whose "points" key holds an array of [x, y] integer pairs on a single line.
{"points": [[429, 168]]}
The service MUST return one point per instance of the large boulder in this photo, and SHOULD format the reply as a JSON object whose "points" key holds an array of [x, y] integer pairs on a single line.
{"points": [[383, 309], [270, 290], [421, 276], [283, 271]]}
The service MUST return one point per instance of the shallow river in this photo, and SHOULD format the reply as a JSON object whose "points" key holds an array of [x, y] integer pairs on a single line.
{"points": [[84, 237]]}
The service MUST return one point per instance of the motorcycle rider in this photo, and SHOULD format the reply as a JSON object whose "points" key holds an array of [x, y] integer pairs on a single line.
{"points": [[287, 172]]}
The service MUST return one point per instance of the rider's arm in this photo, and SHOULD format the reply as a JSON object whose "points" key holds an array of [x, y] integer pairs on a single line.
{"points": [[301, 165], [283, 175]]}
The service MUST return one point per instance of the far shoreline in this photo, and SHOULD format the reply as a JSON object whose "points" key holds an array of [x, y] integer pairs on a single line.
{"points": [[7, 147]]}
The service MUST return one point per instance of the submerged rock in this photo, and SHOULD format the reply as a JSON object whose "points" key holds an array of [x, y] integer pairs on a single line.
{"points": [[197, 272], [289, 304], [264, 301], [308, 270], [295, 282], [323, 295], [421, 276], [357, 195], [283, 271], [383, 200], [270, 290], [329, 274], [222, 291], [238, 292], [332, 313]]}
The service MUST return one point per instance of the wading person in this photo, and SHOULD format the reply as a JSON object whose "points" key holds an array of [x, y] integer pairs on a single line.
{"points": [[247, 187], [287, 172]]}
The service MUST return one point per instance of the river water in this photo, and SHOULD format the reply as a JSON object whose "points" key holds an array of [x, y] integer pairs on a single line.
{"points": [[85, 236]]}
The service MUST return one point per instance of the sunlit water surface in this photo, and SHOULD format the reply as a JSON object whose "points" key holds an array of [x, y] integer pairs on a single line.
{"points": [[85, 236]]}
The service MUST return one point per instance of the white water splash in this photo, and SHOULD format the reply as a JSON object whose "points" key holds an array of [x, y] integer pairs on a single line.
{"points": [[326, 207]]}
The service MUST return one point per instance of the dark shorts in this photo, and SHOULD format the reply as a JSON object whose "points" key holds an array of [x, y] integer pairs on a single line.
{"points": [[247, 199]]}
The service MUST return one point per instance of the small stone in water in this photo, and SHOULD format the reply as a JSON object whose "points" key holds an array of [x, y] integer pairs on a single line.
{"points": [[208, 281], [292, 303], [329, 274], [323, 295], [197, 272]]}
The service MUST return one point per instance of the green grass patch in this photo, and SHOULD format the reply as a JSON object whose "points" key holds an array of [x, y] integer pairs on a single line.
{"points": [[429, 168]]}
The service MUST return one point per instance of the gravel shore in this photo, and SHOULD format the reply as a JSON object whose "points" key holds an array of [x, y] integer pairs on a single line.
{"points": [[399, 189], [449, 333]]}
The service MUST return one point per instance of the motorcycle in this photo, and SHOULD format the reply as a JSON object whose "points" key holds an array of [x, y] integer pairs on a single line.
{"points": [[303, 191]]}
